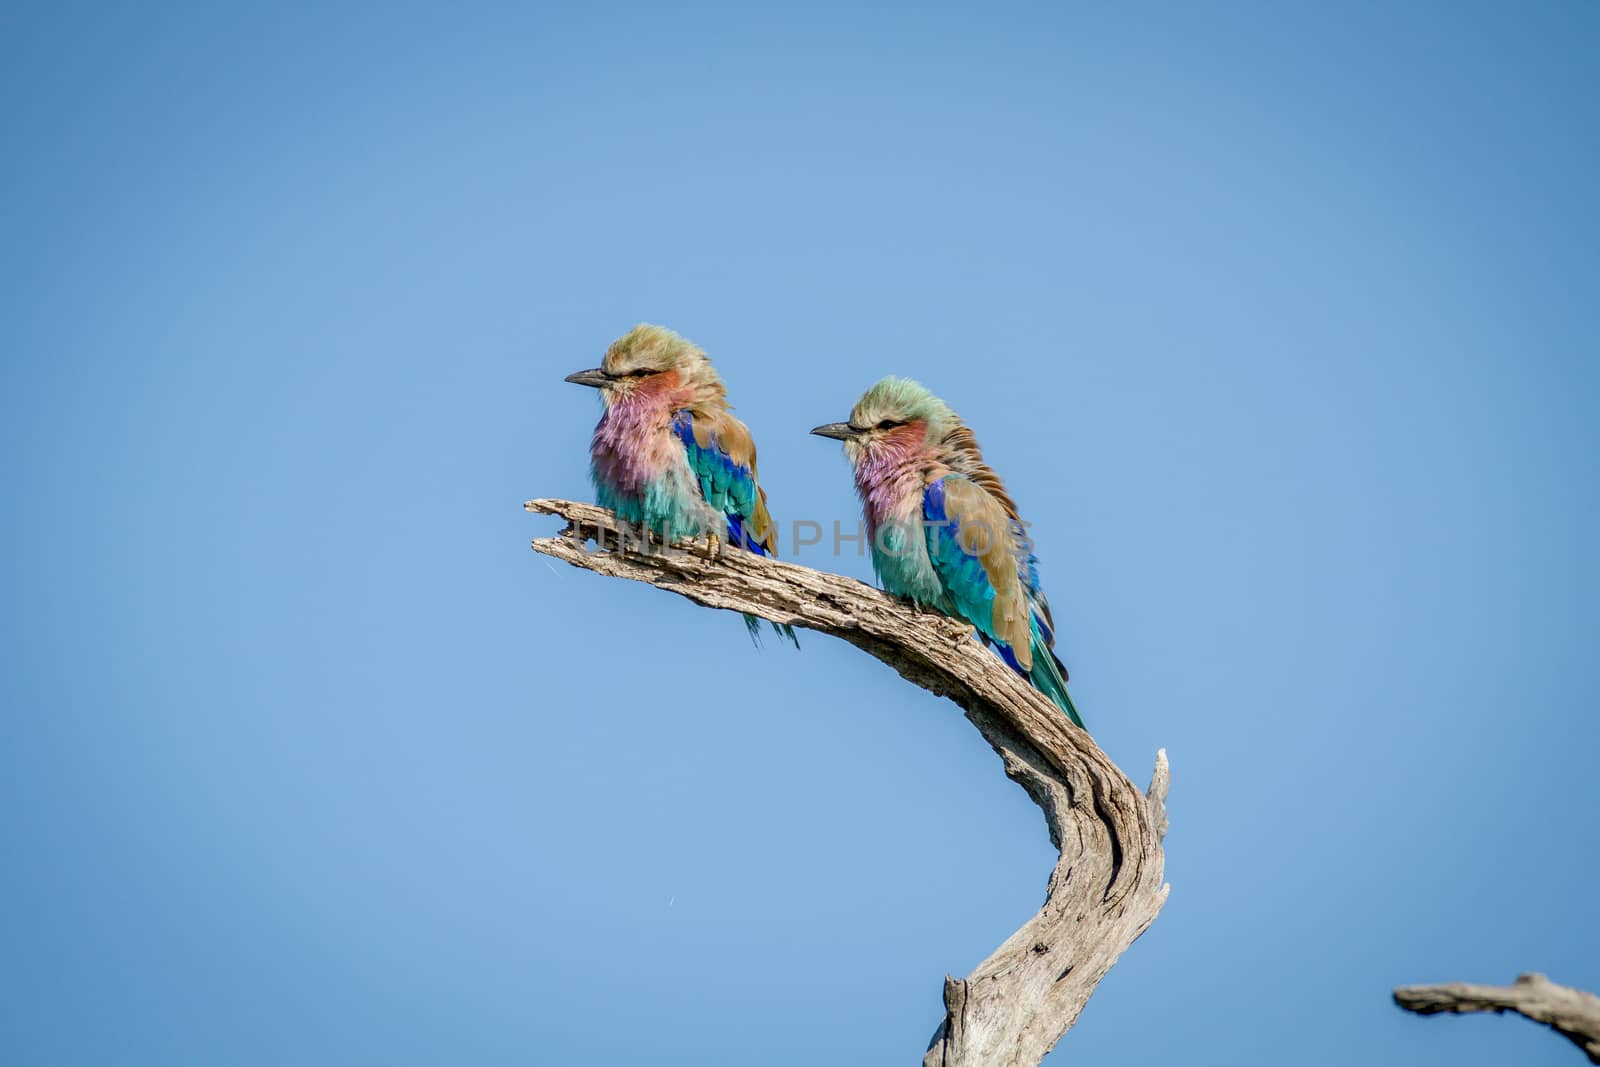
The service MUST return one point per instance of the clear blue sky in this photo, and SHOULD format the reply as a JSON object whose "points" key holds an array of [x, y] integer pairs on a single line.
{"points": [[1279, 321]]}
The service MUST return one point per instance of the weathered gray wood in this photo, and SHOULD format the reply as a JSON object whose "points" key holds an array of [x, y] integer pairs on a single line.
{"points": [[1570, 1012], [1106, 887]]}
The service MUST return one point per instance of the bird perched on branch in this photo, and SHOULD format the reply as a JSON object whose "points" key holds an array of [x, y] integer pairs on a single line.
{"points": [[944, 531], [668, 454]]}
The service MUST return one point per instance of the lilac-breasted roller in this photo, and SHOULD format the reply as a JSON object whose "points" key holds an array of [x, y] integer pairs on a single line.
{"points": [[944, 531], [668, 453]]}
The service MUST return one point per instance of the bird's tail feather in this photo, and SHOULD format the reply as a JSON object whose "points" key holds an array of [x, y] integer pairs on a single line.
{"points": [[782, 629], [1050, 678]]}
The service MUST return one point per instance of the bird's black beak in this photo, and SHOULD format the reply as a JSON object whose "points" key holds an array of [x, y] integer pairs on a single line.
{"points": [[592, 378], [839, 431]]}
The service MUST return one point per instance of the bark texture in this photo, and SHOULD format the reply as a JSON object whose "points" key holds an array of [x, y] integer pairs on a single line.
{"points": [[1570, 1012], [1107, 886]]}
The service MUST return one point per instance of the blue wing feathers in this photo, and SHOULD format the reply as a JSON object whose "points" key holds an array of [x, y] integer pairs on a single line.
{"points": [[731, 489], [683, 426], [967, 584], [727, 486], [962, 574], [737, 536]]}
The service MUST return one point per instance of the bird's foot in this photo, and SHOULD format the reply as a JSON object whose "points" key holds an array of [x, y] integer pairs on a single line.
{"points": [[713, 546]]}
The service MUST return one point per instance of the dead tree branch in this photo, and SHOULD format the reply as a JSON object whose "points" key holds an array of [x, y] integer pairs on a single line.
{"points": [[1570, 1012], [1106, 887]]}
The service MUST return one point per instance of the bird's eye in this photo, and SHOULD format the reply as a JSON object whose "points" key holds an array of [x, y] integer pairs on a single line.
{"points": [[889, 424], [640, 373]]}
